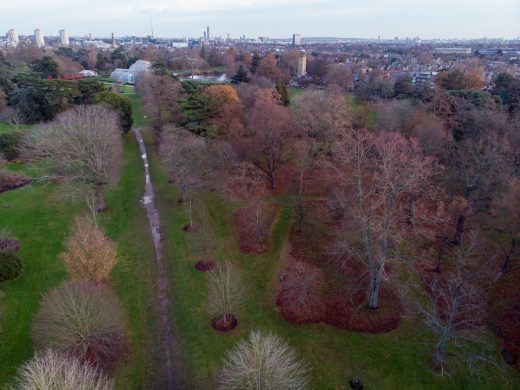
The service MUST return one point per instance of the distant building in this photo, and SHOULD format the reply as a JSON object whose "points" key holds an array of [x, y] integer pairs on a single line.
{"points": [[207, 33], [12, 37], [38, 38], [64, 38], [452, 50], [296, 39], [302, 64], [424, 79], [129, 76], [88, 73]]}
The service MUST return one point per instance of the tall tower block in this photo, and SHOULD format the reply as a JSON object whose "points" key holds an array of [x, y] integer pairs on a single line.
{"points": [[302, 64], [38, 37], [64, 38]]}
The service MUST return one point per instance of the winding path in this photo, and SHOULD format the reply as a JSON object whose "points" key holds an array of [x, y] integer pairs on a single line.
{"points": [[162, 294]]}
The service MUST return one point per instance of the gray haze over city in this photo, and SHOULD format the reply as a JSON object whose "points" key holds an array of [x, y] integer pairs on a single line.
{"points": [[274, 18]]}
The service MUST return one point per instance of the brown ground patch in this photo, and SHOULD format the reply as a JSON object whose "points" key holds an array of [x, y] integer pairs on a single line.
{"points": [[304, 297], [11, 180], [204, 265], [253, 224], [9, 245], [191, 228], [225, 325]]}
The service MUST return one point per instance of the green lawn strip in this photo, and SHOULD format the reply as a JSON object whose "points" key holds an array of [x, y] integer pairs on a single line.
{"points": [[395, 360], [6, 127], [133, 277], [39, 216]]}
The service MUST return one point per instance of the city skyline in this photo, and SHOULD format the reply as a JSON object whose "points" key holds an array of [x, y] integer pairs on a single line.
{"points": [[277, 19]]}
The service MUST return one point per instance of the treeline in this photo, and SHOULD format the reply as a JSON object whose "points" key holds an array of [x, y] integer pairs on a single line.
{"points": [[426, 184]]}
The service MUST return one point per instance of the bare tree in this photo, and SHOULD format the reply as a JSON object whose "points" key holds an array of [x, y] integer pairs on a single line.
{"points": [[325, 117], [55, 370], [225, 290], [89, 254], [83, 319], [191, 161], [456, 308], [82, 144], [267, 142], [160, 95], [263, 361], [379, 171]]}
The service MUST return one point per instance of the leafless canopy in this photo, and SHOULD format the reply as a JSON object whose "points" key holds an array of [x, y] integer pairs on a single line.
{"points": [[54, 370], [82, 144], [263, 361]]}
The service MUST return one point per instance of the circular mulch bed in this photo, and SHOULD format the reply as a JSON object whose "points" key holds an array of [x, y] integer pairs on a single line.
{"points": [[9, 245], [191, 228], [222, 325], [204, 265]]}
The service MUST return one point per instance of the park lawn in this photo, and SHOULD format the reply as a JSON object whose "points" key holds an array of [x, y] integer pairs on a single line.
{"points": [[395, 360], [6, 127], [40, 216]]}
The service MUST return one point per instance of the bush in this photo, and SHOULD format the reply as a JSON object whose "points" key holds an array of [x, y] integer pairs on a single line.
{"points": [[9, 144], [83, 319], [56, 371], [263, 361], [89, 254], [10, 266]]}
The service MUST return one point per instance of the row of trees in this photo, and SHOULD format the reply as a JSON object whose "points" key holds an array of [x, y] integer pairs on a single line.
{"points": [[80, 328], [416, 187]]}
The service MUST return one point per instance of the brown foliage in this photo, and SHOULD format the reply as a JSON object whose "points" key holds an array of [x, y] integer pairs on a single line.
{"points": [[10, 180], [300, 297], [89, 254]]}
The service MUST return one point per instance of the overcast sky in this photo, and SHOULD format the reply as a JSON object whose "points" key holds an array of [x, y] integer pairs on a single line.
{"points": [[273, 18]]}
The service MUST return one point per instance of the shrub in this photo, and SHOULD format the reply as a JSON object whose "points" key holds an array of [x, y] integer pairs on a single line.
{"points": [[9, 144], [89, 254], [8, 243], [56, 371], [83, 319], [10, 266], [263, 361]]}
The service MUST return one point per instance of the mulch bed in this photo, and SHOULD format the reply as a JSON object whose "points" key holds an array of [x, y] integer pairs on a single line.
{"points": [[204, 265], [191, 228], [221, 325], [12, 180], [335, 292], [9, 245], [254, 238]]}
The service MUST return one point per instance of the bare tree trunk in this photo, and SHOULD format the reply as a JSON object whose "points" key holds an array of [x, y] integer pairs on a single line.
{"points": [[373, 294], [442, 251], [299, 204], [100, 198], [181, 197], [459, 230], [509, 256]]}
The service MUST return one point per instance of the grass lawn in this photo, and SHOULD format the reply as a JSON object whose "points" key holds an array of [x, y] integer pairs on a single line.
{"points": [[40, 216], [6, 127], [395, 360]]}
